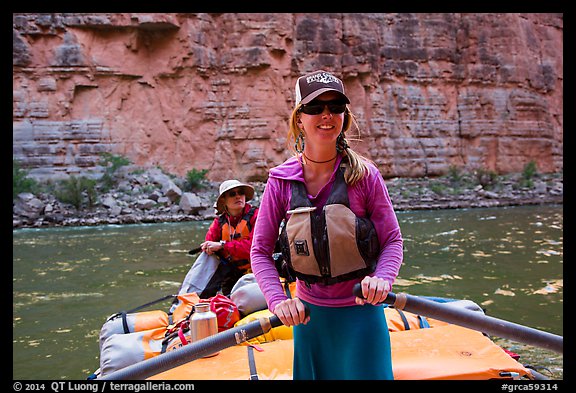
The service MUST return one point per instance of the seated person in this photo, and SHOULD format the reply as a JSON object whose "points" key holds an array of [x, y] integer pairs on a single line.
{"points": [[230, 236]]}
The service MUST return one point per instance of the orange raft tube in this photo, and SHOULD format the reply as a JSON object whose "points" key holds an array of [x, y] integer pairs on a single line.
{"points": [[442, 351]]}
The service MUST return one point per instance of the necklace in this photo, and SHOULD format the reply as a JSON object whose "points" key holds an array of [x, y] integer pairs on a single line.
{"points": [[320, 162]]}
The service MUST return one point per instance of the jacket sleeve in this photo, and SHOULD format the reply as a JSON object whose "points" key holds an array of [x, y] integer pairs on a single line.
{"points": [[272, 211], [382, 214], [214, 233]]}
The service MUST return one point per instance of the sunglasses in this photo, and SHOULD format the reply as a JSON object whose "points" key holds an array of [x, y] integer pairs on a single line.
{"points": [[317, 107], [232, 194]]}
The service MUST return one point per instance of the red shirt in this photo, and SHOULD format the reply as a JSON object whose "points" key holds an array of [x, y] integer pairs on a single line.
{"points": [[240, 248]]}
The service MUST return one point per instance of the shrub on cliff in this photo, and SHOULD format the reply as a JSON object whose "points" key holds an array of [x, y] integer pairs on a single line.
{"points": [[485, 177], [77, 191], [195, 179], [20, 180], [112, 163], [529, 172]]}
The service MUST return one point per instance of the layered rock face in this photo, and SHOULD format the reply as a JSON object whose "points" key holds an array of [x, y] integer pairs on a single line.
{"points": [[215, 91]]}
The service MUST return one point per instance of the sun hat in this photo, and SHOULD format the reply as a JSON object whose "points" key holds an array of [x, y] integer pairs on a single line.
{"points": [[227, 186], [312, 85]]}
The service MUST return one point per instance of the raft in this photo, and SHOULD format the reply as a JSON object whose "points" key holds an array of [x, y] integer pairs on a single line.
{"points": [[439, 352], [422, 349]]}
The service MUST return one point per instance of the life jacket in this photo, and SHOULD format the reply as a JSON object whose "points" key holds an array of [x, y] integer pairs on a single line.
{"points": [[331, 245], [241, 231]]}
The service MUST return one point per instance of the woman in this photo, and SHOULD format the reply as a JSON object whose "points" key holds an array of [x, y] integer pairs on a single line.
{"points": [[318, 193], [230, 235]]}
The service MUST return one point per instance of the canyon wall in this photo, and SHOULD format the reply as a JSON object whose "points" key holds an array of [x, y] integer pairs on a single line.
{"points": [[214, 91]]}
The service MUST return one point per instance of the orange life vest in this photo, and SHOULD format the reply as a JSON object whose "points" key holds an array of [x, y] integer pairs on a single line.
{"points": [[241, 231]]}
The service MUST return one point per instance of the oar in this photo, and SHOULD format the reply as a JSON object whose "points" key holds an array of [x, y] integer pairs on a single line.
{"points": [[195, 251], [472, 320], [196, 350]]}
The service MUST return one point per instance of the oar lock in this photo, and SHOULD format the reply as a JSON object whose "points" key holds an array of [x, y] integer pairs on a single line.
{"points": [[241, 336], [400, 301]]}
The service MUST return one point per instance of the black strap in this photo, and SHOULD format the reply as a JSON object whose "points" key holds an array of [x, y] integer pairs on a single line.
{"points": [[287, 289], [299, 196], [125, 322], [339, 192], [167, 339], [150, 303], [248, 218], [124, 314], [252, 364], [404, 320]]}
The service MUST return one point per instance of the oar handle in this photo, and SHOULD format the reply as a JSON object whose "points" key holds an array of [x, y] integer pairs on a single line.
{"points": [[195, 251], [357, 291]]}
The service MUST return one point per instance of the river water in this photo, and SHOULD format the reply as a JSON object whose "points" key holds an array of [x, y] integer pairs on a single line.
{"points": [[67, 281]]}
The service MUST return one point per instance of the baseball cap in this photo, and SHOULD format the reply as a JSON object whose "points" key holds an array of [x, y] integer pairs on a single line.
{"points": [[312, 85]]}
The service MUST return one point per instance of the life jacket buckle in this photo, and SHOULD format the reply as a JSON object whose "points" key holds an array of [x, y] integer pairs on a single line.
{"points": [[301, 247]]}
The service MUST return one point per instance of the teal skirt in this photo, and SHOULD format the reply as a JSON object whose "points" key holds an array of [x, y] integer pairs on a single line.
{"points": [[343, 343]]}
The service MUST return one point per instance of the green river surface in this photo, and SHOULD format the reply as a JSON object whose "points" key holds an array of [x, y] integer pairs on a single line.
{"points": [[67, 281]]}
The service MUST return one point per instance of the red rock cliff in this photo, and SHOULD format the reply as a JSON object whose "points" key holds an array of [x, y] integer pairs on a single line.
{"points": [[214, 91]]}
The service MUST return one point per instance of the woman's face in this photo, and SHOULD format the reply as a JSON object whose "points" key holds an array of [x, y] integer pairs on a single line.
{"points": [[323, 128], [235, 200]]}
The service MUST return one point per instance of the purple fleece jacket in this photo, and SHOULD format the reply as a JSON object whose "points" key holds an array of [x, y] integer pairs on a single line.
{"points": [[368, 198]]}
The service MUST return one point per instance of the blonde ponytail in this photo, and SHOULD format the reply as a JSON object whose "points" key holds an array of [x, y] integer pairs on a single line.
{"points": [[357, 167]]}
